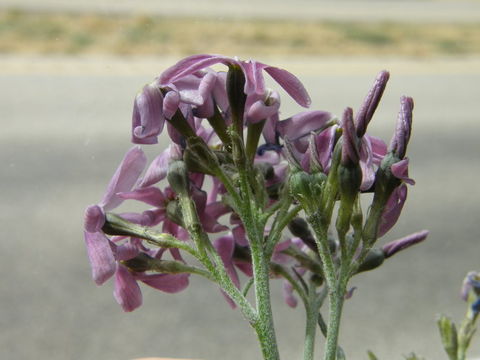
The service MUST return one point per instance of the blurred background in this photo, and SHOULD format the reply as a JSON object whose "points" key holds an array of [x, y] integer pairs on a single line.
{"points": [[69, 72]]}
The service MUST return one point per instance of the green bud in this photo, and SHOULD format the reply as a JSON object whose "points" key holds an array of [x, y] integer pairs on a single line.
{"points": [[174, 212], [199, 157], [178, 177], [448, 333], [349, 180], [374, 259], [140, 263], [300, 187]]}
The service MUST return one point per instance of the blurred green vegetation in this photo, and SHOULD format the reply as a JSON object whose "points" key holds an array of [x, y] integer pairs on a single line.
{"points": [[51, 33]]}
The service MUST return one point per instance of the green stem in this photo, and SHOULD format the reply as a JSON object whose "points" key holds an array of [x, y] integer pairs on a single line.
{"points": [[336, 298], [311, 309]]}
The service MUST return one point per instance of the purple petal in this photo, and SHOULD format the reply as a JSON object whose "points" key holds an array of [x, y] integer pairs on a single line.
{"points": [[379, 148], [126, 292], [300, 125], [324, 142], [147, 118], [290, 84], [392, 210], [400, 171], [150, 195], [398, 245], [94, 218], [191, 65], [261, 110], [400, 139], [126, 251], [124, 178], [169, 283], [255, 83], [170, 104], [157, 170], [366, 164], [100, 256]]}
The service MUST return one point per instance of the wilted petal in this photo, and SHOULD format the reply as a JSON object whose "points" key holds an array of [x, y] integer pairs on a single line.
{"points": [[398, 245], [366, 164], [393, 209], [124, 178], [170, 104], [126, 292], [290, 84], [169, 283], [147, 118], [100, 255]]}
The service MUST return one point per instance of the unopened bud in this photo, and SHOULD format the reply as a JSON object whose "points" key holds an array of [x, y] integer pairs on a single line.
{"points": [[178, 177], [174, 212], [374, 259], [299, 228], [199, 157], [140, 263]]}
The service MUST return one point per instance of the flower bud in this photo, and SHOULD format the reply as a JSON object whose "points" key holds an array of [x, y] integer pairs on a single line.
{"points": [[374, 259], [399, 142], [370, 103], [140, 263], [174, 212], [178, 177], [306, 188], [299, 228], [199, 157]]}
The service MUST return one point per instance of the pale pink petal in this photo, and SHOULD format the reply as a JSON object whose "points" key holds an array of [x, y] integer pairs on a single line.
{"points": [[126, 291], [157, 170], [169, 283], [100, 255], [94, 218], [149, 195], [124, 178], [290, 84]]}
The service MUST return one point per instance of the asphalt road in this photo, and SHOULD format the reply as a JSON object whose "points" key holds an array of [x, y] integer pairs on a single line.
{"points": [[63, 132]]}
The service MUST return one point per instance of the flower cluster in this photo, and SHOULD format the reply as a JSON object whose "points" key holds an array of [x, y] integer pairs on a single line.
{"points": [[235, 169]]}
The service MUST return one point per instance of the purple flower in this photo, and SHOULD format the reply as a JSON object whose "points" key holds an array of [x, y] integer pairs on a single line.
{"points": [[98, 245], [255, 83]]}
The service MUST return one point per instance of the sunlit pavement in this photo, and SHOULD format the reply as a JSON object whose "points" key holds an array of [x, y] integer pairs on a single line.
{"points": [[65, 127]]}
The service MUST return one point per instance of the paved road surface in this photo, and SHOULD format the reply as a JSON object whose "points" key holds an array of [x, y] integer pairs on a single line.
{"points": [[393, 10], [63, 135]]}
